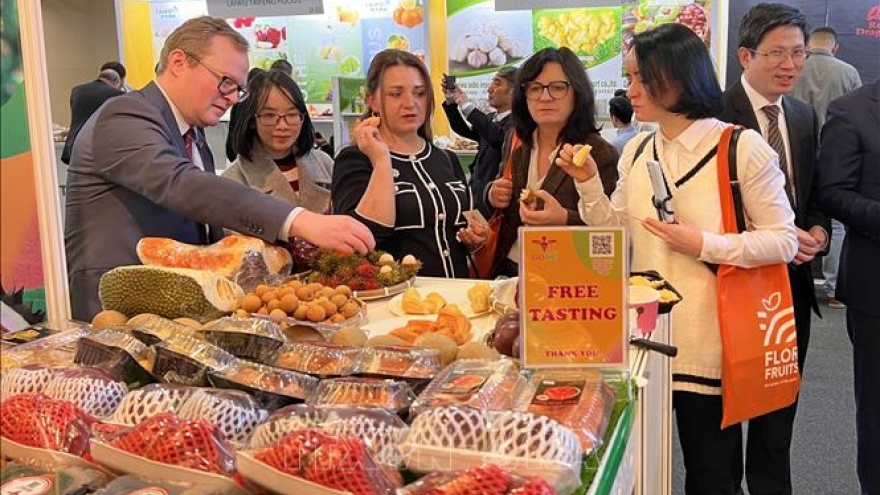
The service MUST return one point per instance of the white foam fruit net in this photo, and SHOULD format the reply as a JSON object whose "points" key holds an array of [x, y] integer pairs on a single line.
{"points": [[383, 438], [93, 394], [235, 413], [144, 403], [25, 380], [450, 427], [514, 434], [284, 422]]}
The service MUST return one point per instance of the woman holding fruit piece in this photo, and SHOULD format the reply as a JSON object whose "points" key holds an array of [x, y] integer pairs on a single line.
{"points": [[672, 82], [412, 195], [553, 108]]}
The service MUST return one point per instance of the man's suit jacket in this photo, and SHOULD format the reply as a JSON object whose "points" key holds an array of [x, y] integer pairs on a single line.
{"points": [[84, 100], [849, 190], [130, 177], [803, 135], [490, 136]]}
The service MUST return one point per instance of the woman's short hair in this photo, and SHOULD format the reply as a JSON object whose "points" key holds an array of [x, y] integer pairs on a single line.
{"points": [[244, 131], [390, 58], [582, 120], [672, 59]]}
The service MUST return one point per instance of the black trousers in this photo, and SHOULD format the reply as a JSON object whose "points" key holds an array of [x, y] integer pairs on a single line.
{"points": [[864, 333]]}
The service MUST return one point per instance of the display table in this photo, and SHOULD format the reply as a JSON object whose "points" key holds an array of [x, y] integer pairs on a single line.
{"points": [[638, 457]]}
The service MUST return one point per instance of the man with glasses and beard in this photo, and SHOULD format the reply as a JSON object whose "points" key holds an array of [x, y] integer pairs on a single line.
{"points": [[772, 51], [140, 168]]}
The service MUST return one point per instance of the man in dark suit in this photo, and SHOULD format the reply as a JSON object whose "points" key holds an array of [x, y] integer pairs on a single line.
{"points": [[85, 99], [849, 190], [141, 168], [772, 50], [488, 130]]}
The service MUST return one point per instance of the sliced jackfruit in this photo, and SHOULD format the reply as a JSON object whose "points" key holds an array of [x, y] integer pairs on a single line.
{"points": [[169, 292]]}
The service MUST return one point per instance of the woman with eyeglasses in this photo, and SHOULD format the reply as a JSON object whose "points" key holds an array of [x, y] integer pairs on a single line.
{"points": [[673, 83], [553, 106], [274, 140], [412, 195]]}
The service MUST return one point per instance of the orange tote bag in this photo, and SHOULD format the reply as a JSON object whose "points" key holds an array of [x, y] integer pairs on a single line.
{"points": [[758, 335]]}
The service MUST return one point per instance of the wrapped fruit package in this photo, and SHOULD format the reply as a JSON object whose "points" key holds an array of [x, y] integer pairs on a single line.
{"points": [[169, 292], [485, 480], [169, 439], [481, 384], [35, 420], [92, 390], [24, 479], [249, 338], [247, 261]]}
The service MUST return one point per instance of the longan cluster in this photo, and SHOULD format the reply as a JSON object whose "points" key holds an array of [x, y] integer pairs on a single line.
{"points": [[301, 301]]}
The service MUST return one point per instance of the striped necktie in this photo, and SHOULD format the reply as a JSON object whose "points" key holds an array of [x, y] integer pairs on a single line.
{"points": [[774, 139]]}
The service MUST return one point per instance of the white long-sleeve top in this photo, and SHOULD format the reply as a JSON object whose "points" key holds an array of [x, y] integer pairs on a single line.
{"points": [[770, 236]]}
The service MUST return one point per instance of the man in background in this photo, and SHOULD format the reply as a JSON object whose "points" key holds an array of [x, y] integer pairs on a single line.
{"points": [[772, 50], [849, 190], [488, 130], [120, 69], [621, 111], [826, 78], [141, 168], [85, 99], [282, 65]]}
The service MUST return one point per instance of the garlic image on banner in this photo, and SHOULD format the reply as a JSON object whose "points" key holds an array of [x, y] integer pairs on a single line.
{"points": [[485, 45]]}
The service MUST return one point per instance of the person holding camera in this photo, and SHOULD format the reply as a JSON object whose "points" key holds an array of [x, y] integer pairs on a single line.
{"points": [[488, 129]]}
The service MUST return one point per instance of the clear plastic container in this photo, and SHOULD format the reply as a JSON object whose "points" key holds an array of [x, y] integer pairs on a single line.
{"points": [[117, 353], [578, 399], [271, 387], [152, 329], [476, 383], [401, 362], [249, 338], [318, 358], [185, 360], [393, 395]]}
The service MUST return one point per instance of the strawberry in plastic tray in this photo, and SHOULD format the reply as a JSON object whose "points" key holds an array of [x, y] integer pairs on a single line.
{"points": [[191, 444], [338, 463], [35, 420], [480, 480]]}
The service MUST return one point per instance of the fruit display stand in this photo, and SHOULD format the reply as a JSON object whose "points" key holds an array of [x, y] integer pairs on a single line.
{"points": [[637, 455]]}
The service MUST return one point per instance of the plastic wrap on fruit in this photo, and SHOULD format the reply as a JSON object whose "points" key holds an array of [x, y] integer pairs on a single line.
{"points": [[271, 387], [249, 338], [235, 413], [131, 485], [94, 391], [29, 379], [19, 477], [118, 353], [340, 463], [169, 439], [141, 404], [247, 261], [488, 478], [578, 399], [36, 420], [481, 384]]}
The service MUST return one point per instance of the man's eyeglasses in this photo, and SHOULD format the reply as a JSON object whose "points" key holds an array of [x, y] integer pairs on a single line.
{"points": [[226, 86], [556, 89], [779, 56], [272, 119]]}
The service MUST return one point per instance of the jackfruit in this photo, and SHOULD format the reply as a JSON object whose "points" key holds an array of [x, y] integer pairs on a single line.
{"points": [[169, 292]]}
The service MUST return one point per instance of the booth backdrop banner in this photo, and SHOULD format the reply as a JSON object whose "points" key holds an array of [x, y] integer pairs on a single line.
{"points": [[238, 8], [21, 265]]}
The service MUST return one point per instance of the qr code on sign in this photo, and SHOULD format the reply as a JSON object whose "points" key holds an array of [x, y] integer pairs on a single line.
{"points": [[602, 245]]}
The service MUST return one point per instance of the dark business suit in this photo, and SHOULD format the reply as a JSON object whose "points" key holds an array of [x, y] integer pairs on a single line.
{"points": [[130, 177], [490, 135], [84, 100], [767, 453], [559, 184], [849, 191]]}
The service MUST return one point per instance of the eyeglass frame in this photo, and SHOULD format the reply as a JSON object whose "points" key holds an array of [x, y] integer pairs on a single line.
{"points": [[240, 91], [781, 55], [279, 117], [545, 88]]}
